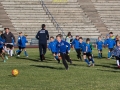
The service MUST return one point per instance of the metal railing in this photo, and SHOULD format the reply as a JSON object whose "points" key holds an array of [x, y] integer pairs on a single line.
{"points": [[60, 29]]}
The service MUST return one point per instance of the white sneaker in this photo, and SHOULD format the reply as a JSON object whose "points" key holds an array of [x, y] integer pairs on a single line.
{"points": [[27, 56], [18, 55]]}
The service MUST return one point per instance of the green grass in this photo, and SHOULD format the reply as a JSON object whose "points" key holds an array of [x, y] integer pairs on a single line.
{"points": [[49, 75]]}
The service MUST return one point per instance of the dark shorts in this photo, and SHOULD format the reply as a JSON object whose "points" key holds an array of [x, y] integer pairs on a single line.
{"points": [[21, 47], [9, 46], [1, 49], [110, 49], [117, 58], [88, 54], [84, 53]]}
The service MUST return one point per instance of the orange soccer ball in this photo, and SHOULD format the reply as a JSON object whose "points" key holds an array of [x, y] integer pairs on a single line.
{"points": [[15, 72]]}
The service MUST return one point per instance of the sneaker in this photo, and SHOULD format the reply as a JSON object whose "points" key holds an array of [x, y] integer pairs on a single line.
{"points": [[119, 66], [54, 58], [67, 69], [27, 56], [18, 55], [4, 61], [89, 65], [43, 57], [6, 57], [93, 64]]}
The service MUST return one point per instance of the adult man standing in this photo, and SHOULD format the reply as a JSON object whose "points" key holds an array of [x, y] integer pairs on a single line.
{"points": [[42, 36], [9, 37]]}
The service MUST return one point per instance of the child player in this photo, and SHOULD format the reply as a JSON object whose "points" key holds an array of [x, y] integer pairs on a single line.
{"points": [[83, 46], [110, 44], [76, 45], [99, 45], [89, 51], [2, 52], [116, 53], [22, 44], [52, 47], [63, 48]]}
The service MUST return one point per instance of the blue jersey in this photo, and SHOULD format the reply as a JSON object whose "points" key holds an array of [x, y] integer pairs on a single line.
{"points": [[22, 41], [110, 43], [105, 41], [62, 47], [52, 46], [83, 46], [2, 41], [99, 45], [42, 36], [88, 48], [116, 51], [76, 44]]}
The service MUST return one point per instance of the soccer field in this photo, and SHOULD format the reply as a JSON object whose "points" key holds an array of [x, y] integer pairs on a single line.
{"points": [[49, 75]]}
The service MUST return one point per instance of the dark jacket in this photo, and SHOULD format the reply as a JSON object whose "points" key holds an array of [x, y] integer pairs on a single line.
{"points": [[42, 36], [9, 37]]}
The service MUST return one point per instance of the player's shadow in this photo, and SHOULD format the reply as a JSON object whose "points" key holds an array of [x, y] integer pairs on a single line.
{"points": [[108, 66], [35, 60], [99, 58], [50, 67], [115, 71]]}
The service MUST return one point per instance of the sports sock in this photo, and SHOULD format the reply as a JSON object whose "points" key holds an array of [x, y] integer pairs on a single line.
{"points": [[92, 60], [17, 51], [99, 55], [25, 52], [56, 57], [11, 52], [87, 61], [118, 63], [108, 54]]}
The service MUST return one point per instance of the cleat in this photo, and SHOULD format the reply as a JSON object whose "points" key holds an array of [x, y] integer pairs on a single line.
{"points": [[6, 57], [18, 55], [4, 61]]}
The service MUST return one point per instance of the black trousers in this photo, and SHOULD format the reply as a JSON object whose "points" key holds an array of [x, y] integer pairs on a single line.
{"points": [[65, 57], [42, 48], [78, 51]]}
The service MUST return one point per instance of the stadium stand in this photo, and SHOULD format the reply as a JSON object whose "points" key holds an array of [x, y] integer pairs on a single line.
{"points": [[89, 9], [71, 17], [27, 16], [5, 20], [1, 28], [87, 18], [109, 11]]}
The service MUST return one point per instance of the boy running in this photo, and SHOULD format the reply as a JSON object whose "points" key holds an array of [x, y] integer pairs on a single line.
{"points": [[83, 46], [76, 45], [52, 47], [99, 45], [110, 44], [22, 44], [63, 48], [89, 51]]}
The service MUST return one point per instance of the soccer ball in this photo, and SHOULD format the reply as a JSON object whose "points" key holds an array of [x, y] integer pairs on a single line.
{"points": [[15, 72]]}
